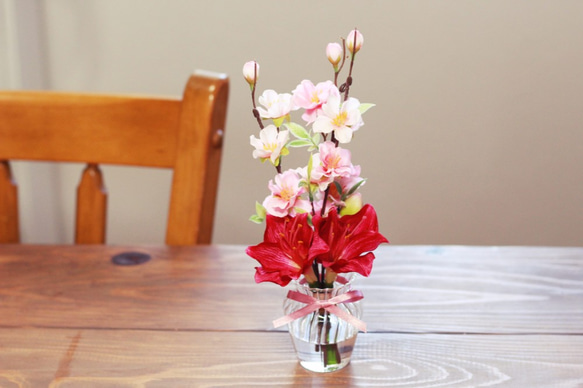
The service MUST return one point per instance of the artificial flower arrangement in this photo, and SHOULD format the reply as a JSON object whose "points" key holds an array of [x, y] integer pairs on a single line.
{"points": [[316, 224]]}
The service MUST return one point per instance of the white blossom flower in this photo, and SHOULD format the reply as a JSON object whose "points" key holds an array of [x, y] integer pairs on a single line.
{"points": [[275, 106], [270, 144], [342, 119]]}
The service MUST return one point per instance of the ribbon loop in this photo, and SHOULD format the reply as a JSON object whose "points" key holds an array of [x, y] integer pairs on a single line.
{"points": [[330, 305]]}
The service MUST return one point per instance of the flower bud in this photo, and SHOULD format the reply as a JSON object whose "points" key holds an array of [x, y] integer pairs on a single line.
{"points": [[334, 53], [251, 72], [350, 41], [352, 205]]}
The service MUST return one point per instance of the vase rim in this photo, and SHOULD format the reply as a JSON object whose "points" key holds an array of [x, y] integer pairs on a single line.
{"points": [[342, 280]]}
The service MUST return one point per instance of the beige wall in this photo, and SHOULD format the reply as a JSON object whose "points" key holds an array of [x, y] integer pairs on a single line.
{"points": [[477, 137]]}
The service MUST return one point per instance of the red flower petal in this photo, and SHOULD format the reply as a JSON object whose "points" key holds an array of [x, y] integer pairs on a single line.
{"points": [[350, 238], [289, 248]]}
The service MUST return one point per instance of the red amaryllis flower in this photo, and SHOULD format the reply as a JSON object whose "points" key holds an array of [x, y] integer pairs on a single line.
{"points": [[288, 250], [351, 239]]}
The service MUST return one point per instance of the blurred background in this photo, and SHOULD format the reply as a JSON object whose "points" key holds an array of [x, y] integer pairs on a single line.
{"points": [[476, 137]]}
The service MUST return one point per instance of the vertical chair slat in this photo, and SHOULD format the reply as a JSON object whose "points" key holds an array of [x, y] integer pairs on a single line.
{"points": [[91, 207], [196, 173], [9, 228]]}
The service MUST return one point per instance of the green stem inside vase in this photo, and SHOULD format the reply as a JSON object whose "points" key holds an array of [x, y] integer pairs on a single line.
{"points": [[329, 351]]}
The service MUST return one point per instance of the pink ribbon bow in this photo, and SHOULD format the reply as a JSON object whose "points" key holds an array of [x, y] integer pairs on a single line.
{"points": [[329, 305]]}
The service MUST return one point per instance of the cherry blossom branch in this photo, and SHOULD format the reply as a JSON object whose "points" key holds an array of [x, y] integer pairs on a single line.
{"points": [[324, 201], [255, 111], [339, 69], [353, 49]]}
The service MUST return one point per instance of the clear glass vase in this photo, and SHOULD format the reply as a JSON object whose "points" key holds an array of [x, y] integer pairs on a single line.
{"points": [[323, 341]]}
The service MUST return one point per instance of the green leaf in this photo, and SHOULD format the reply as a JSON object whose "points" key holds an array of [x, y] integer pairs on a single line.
{"points": [[364, 107], [310, 165], [299, 143], [300, 210], [353, 188], [316, 139], [279, 121], [298, 131], [260, 210], [256, 219], [338, 188], [310, 219]]}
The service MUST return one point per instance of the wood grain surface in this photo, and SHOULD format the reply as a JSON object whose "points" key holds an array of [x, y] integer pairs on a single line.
{"points": [[114, 358], [193, 317]]}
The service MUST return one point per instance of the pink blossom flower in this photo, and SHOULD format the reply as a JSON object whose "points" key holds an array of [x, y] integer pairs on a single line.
{"points": [[350, 41], [319, 202], [270, 144], [286, 195], [346, 183], [277, 106], [331, 162], [251, 72], [311, 98], [334, 53], [342, 119]]}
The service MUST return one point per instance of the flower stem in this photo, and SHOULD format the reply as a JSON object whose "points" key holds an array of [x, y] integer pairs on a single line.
{"points": [[329, 351], [316, 272], [257, 115], [255, 111], [349, 78], [323, 210], [342, 64]]}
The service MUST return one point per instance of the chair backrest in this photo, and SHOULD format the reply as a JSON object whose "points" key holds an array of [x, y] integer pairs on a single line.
{"points": [[182, 134]]}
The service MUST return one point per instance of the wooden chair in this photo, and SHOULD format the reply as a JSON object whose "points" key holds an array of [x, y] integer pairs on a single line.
{"points": [[182, 134]]}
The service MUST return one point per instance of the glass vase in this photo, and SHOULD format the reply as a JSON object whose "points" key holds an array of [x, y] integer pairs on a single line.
{"points": [[323, 341]]}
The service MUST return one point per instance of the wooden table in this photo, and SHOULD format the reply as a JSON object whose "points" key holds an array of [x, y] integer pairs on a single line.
{"points": [[193, 317]]}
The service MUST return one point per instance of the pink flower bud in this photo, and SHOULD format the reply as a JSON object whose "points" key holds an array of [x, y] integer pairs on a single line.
{"points": [[334, 53], [251, 72], [350, 41]]}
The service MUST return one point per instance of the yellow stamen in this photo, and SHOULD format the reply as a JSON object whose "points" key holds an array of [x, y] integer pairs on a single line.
{"points": [[286, 193], [332, 161], [269, 146], [315, 97], [340, 120]]}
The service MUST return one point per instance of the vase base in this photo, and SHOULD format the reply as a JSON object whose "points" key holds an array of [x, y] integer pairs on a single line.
{"points": [[324, 358], [320, 368]]}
